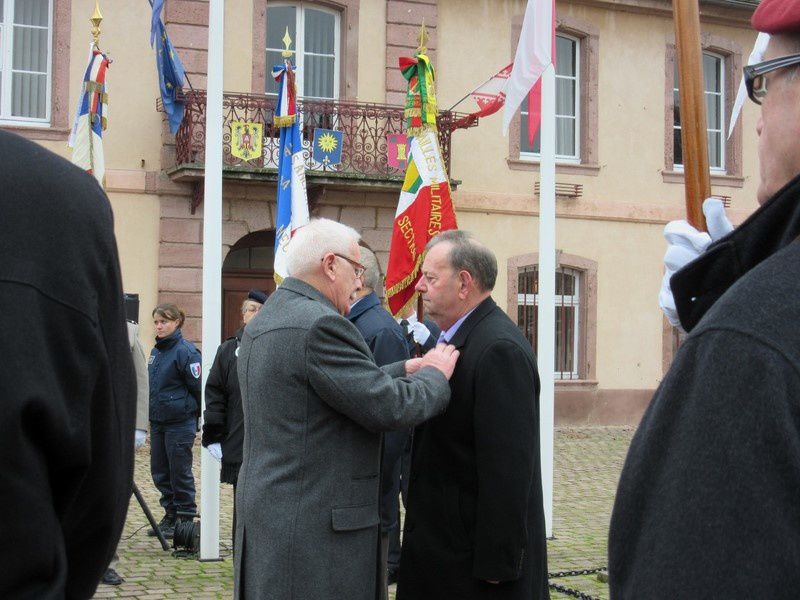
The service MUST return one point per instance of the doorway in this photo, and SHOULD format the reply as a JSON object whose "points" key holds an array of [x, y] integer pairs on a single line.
{"points": [[249, 264]]}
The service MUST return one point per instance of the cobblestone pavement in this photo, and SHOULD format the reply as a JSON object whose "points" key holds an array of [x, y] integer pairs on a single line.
{"points": [[587, 467]]}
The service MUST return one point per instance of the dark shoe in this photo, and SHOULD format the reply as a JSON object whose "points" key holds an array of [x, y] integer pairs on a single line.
{"points": [[111, 577], [391, 577], [167, 527]]}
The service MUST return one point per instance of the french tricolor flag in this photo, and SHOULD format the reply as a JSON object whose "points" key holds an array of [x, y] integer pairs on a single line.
{"points": [[86, 139]]}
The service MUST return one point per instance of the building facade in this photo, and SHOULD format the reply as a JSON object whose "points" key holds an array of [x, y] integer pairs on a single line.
{"points": [[619, 175]]}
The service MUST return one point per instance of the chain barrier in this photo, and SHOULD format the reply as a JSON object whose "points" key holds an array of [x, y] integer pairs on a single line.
{"points": [[569, 591]]}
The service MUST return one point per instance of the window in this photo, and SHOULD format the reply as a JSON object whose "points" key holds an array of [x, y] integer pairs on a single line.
{"points": [[713, 86], [567, 105], [315, 35], [25, 61], [568, 311]]}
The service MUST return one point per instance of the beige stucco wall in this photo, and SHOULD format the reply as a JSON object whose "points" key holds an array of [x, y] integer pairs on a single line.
{"points": [[136, 225], [631, 115], [628, 274]]}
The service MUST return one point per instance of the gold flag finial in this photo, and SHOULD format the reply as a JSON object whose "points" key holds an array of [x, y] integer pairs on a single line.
{"points": [[95, 20], [423, 38], [287, 41]]}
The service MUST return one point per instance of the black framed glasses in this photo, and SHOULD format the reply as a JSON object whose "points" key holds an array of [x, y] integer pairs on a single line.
{"points": [[754, 79], [357, 267]]}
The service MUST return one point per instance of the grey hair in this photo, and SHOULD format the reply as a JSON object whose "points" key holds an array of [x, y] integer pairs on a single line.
{"points": [[468, 254], [316, 239], [372, 273]]}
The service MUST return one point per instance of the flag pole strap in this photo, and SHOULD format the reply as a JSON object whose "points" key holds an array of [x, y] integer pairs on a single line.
{"points": [[697, 179]]}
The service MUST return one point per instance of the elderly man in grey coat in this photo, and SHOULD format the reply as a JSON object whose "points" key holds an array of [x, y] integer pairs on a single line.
{"points": [[315, 404]]}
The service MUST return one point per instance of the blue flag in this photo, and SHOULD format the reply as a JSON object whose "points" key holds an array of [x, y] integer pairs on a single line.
{"points": [[170, 68], [328, 146], [292, 211]]}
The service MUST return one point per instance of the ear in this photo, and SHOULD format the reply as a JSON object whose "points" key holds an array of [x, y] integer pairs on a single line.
{"points": [[328, 268], [466, 284]]}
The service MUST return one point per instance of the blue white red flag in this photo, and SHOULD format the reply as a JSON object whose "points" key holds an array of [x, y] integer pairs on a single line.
{"points": [[292, 212], [86, 138], [170, 68]]}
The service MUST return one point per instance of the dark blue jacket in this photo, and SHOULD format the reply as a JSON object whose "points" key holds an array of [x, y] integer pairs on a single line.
{"points": [[174, 370], [385, 338]]}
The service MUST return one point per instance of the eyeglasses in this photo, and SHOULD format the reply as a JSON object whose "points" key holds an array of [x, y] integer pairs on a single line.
{"points": [[754, 79], [357, 267]]}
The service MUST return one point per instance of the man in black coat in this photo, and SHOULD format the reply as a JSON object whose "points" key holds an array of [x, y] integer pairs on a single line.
{"points": [[386, 341], [67, 385], [475, 522], [708, 504]]}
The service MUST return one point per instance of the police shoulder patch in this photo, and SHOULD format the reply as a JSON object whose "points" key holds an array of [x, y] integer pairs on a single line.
{"points": [[195, 369]]}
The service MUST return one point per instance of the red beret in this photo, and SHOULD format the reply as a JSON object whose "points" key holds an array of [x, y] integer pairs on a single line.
{"points": [[777, 16]]}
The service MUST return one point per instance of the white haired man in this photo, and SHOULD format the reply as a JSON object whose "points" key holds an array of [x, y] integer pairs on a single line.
{"points": [[707, 505], [315, 405]]}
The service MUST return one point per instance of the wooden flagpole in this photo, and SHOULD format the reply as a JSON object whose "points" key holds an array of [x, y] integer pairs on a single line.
{"points": [[692, 110]]}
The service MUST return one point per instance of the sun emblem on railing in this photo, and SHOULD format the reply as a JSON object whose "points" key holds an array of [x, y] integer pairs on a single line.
{"points": [[327, 142]]}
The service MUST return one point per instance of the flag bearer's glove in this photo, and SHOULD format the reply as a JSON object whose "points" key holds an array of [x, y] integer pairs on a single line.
{"points": [[684, 244], [138, 439], [215, 450], [419, 331]]}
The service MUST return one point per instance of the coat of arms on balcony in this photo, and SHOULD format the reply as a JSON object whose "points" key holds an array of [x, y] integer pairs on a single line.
{"points": [[246, 139], [396, 150], [328, 146]]}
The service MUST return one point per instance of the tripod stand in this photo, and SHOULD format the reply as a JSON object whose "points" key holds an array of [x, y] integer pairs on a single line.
{"points": [[150, 518]]}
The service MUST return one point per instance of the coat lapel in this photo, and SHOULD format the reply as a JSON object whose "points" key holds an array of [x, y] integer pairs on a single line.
{"points": [[481, 312]]}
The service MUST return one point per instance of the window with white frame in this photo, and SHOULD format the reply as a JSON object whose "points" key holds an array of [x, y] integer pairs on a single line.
{"points": [[714, 91], [25, 61], [568, 316], [315, 34], [567, 105]]}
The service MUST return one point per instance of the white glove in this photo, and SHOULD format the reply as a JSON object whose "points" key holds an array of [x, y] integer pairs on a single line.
{"points": [[138, 439], [419, 331], [215, 450], [684, 244]]}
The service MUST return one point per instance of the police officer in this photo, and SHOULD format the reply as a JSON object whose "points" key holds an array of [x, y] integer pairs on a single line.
{"points": [[174, 371]]}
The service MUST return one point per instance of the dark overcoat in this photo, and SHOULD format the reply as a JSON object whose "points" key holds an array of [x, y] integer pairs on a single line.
{"points": [[707, 505], [475, 499], [315, 405]]}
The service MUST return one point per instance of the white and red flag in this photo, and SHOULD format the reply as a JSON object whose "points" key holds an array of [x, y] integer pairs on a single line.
{"points": [[491, 95], [534, 55]]}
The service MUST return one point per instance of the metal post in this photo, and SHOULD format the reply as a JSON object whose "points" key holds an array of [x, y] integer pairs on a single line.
{"points": [[212, 267], [547, 288]]}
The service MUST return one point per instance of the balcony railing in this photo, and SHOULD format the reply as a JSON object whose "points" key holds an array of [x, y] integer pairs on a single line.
{"points": [[364, 146]]}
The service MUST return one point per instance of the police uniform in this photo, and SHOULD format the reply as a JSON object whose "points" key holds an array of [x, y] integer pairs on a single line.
{"points": [[174, 372]]}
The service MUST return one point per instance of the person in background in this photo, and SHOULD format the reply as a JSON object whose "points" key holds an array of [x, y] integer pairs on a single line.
{"points": [[67, 386], [111, 577], [223, 421], [420, 337], [708, 500], [386, 341], [174, 371]]}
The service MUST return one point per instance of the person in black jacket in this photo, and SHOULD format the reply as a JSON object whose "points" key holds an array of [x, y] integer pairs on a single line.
{"points": [[386, 341], [223, 421], [174, 371], [67, 385], [474, 528], [708, 500]]}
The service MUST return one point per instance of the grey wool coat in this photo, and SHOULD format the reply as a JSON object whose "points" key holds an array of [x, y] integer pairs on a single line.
{"points": [[315, 405]]}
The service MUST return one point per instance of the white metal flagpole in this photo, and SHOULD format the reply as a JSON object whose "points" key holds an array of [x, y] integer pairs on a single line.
{"points": [[546, 313], [212, 267]]}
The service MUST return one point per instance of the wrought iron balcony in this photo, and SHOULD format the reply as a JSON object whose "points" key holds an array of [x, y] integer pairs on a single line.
{"points": [[364, 146]]}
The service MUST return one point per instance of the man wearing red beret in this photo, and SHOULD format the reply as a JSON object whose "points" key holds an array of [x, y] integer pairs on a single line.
{"points": [[708, 504]]}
